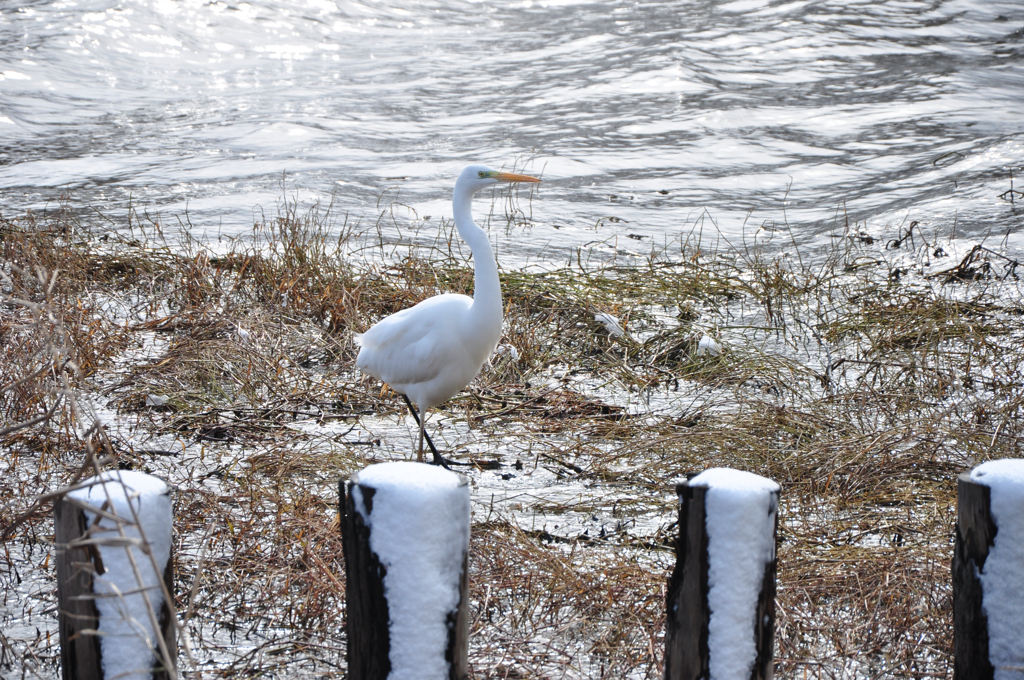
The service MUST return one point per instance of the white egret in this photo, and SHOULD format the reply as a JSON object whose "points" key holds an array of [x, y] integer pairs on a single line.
{"points": [[432, 350]]}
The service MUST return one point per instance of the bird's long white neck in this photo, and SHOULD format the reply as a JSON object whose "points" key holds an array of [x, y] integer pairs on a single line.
{"points": [[486, 286]]}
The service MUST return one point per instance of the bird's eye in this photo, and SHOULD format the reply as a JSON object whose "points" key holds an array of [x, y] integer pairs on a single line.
{"points": [[482, 173]]}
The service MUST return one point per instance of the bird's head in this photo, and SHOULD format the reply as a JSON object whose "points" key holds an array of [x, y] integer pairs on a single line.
{"points": [[475, 177]]}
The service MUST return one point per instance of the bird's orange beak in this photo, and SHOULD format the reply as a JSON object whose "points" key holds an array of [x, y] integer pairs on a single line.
{"points": [[514, 177]]}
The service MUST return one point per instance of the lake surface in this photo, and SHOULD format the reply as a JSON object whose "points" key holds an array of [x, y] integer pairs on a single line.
{"points": [[743, 119]]}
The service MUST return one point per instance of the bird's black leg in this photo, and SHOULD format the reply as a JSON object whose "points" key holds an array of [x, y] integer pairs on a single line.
{"points": [[438, 459]]}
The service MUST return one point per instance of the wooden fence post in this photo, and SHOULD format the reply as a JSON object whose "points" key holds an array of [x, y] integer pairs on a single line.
{"points": [[106, 616], [988, 572], [728, 522], [405, 536]]}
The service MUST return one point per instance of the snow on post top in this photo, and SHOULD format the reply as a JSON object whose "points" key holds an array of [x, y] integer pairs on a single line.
{"points": [[119, 485], [1002, 579], [410, 477], [127, 636], [740, 510], [419, 530], [1006, 473], [738, 480]]}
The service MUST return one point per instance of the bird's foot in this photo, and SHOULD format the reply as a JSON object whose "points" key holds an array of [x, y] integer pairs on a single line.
{"points": [[442, 461], [446, 462]]}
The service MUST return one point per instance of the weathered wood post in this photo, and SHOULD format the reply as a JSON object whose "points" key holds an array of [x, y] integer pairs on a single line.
{"points": [[113, 545], [988, 573], [721, 597], [405, 535]]}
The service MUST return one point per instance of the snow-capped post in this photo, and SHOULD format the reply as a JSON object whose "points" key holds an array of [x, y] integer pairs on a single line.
{"points": [[720, 617], [405, 535], [114, 565], [988, 573]]}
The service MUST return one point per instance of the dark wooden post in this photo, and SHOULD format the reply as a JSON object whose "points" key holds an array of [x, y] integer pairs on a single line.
{"points": [[975, 534], [366, 609], [688, 614], [79, 651], [79, 562], [368, 623]]}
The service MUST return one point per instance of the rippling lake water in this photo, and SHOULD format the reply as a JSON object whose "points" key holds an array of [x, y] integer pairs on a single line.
{"points": [[647, 119]]}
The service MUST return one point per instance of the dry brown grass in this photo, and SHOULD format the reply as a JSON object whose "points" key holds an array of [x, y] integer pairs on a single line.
{"points": [[230, 373]]}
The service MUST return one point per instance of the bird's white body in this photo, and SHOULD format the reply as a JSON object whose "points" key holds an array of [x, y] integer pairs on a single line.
{"points": [[432, 350]]}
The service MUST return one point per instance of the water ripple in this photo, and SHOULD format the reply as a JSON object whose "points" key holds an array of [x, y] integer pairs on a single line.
{"points": [[753, 112]]}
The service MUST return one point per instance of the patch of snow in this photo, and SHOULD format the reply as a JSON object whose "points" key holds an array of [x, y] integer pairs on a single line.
{"points": [[611, 324], [945, 257], [509, 349], [1002, 580], [419, 530], [127, 638], [708, 346], [740, 518]]}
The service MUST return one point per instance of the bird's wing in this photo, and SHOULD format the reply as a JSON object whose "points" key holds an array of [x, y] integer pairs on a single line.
{"points": [[415, 345]]}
